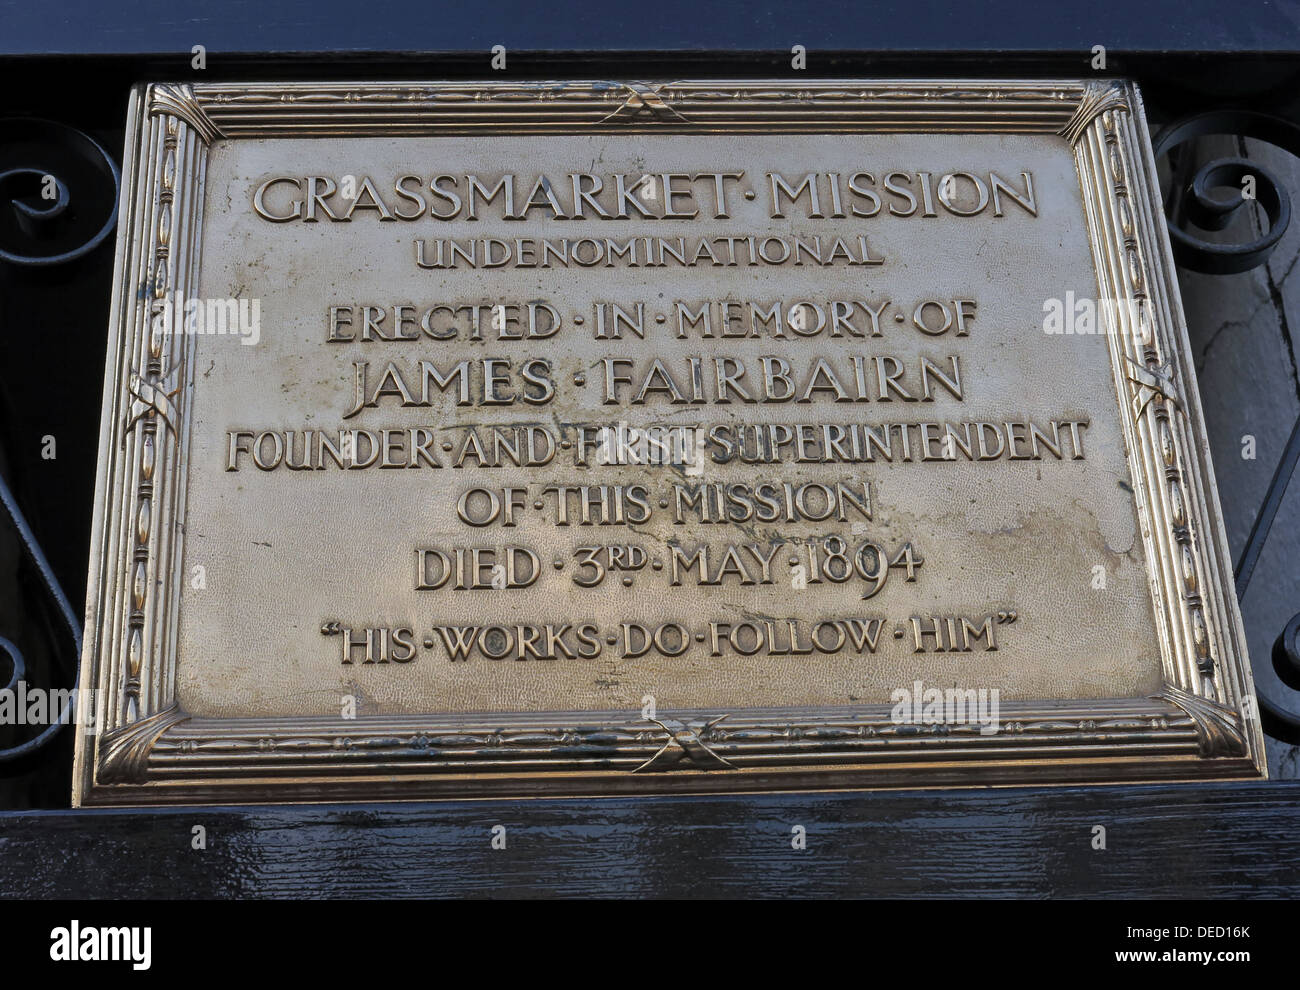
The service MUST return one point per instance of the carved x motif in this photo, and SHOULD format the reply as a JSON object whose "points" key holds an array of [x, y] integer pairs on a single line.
{"points": [[1151, 382], [643, 103], [685, 743], [149, 399]]}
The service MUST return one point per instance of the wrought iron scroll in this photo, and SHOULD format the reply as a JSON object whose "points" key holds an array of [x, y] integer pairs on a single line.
{"points": [[1192, 201], [58, 193], [32, 546], [58, 202]]}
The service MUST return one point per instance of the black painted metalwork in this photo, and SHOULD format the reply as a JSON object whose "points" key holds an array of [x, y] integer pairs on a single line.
{"points": [[1193, 201], [1286, 654], [1277, 722], [1286, 662], [1172, 840], [62, 191], [417, 29], [1268, 511], [14, 754], [61, 188]]}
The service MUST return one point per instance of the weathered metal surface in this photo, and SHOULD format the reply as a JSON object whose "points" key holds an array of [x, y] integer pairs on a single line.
{"points": [[600, 438]]}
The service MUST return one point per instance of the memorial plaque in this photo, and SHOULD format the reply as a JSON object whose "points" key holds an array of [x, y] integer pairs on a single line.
{"points": [[566, 438]]}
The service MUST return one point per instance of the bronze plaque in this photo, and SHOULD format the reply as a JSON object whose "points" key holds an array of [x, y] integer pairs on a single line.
{"points": [[593, 438]]}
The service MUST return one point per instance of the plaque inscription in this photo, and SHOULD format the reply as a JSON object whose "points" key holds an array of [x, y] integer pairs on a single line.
{"points": [[469, 440]]}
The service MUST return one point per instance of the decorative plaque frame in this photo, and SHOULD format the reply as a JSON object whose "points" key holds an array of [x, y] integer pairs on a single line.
{"points": [[146, 750]]}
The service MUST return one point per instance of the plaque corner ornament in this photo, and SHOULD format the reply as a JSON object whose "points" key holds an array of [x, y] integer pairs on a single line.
{"points": [[178, 100], [1220, 729], [1099, 97], [124, 752]]}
